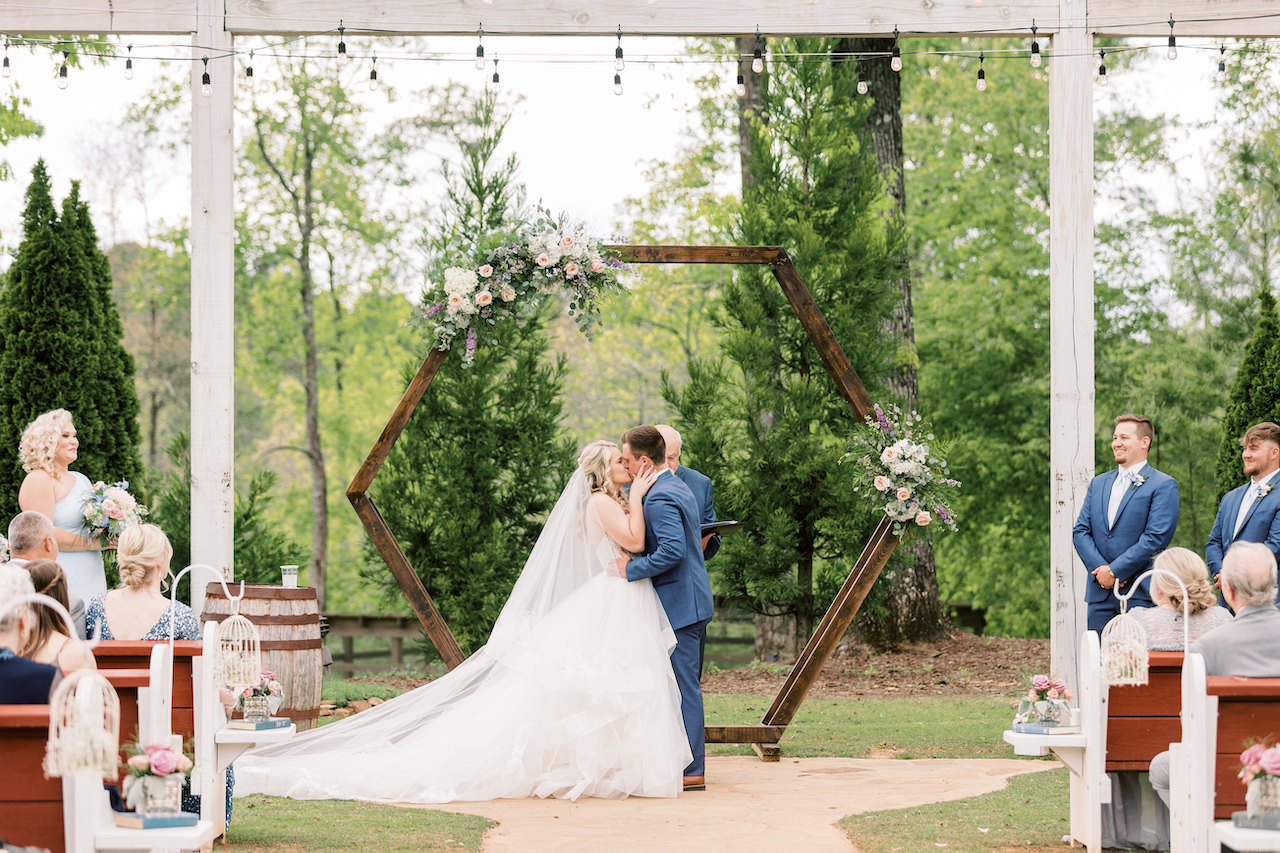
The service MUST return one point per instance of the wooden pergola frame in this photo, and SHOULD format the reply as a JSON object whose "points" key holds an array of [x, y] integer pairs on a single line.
{"points": [[1069, 25], [845, 606]]}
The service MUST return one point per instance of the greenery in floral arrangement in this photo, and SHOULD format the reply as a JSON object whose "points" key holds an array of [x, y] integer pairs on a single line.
{"points": [[549, 258], [901, 465]]}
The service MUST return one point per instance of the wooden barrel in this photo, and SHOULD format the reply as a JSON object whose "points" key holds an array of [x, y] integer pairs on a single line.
{"points": [[288, 623]]}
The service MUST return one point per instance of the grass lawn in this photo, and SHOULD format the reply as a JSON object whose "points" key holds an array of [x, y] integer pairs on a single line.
{"points": [[909, 727], [1030, 814], [277, 825], [342, 691]]}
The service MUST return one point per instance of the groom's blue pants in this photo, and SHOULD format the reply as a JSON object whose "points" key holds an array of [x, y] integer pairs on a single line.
{"points": [[686, 662]]}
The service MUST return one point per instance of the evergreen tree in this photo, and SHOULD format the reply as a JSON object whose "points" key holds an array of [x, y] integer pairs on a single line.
{"points": [[483, 458], [780, 424], [60, 344], [1255, 393]]}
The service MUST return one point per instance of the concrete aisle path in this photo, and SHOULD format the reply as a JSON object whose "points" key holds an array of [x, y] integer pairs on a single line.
{"points": [[748, 806]]}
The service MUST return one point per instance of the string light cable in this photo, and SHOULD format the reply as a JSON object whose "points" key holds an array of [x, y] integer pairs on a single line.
{"points": [[618, 64]]}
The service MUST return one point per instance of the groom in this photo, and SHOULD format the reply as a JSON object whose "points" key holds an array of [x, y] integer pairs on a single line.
{"points": [[673, 558]]}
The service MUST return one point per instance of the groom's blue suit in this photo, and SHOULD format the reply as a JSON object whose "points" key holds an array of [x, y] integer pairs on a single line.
{"points": [[673, 558]]}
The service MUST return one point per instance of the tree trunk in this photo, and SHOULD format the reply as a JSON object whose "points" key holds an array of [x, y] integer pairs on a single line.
{"points": [[915, 613], [750, 106], [315, 453]]}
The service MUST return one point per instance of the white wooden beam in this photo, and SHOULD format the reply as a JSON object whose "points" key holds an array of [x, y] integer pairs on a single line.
{"points": [[1071, 324], [38, 17], [212, 301]]}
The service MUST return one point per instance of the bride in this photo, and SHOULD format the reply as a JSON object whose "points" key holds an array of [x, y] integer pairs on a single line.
{"points": [[573, 696]]}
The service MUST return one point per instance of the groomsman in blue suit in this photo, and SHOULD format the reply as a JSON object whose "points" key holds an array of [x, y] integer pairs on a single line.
{"points": [[1250, 513], [698, 483], [1129, 516]]}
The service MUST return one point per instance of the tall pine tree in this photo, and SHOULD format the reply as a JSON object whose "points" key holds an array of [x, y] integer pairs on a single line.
{"points": [[60, 344], [1255, 393], [484, 457]]}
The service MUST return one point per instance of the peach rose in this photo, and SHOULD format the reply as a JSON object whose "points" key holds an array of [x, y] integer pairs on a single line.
{"points": [[485, 271], [184, 763], [566, 240], [484, 298], [140, 762], [543, 260], [597, 265], [571, 269], [924, 519], [508, 293], [904, 494]]}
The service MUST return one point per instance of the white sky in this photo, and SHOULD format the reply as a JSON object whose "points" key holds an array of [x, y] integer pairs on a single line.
{"points": [[581, 148]]}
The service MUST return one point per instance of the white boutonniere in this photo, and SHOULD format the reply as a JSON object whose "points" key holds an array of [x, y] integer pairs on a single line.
{"points": [[1263, 491], [1138, 480]]}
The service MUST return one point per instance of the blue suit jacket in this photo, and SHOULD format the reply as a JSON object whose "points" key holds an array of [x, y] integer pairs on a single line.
{"points": [[700, 485], [673, 552], [1145, 523], [1262, 524]]}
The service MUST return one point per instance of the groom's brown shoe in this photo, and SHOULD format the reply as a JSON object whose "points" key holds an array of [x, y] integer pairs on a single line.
{"points": [[695, 783]]}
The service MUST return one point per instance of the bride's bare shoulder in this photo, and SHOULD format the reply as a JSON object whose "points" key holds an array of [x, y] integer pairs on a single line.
{"points": [[604, 504]]}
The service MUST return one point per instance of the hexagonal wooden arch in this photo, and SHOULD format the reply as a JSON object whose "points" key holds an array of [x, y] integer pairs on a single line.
{"points": [[845, 606]]}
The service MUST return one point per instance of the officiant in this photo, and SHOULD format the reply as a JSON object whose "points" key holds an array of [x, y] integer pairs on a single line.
{"points": [[698, 483]]}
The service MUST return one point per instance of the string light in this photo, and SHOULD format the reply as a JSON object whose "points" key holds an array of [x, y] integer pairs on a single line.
{"points": [[62, 72], [480, 50], [757, 56], [1222, 64], [617, 84], [896, 62], [128, 65], [618, 64], [4, 69], [1102, 69], [862, 79], [343, 58], [248, 73], [742, 82], [1035, 46], [373, 75], [206, 85], [1173, 42], [982, 74], [495, 85]]}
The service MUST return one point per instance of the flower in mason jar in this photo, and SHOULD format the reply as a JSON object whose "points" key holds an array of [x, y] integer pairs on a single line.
{"points": [[163, 762], [1270, 761], [1040, 682], [142, 761], [1053, 693], [184, 763]]}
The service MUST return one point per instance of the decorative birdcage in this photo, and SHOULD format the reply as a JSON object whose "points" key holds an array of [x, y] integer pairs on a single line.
{"points": [[1124, 651], [238, 655], [84, 727]]}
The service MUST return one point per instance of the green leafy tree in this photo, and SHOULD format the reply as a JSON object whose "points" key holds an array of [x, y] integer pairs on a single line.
{"points": [[60, 344], [1255, 394], [483, 458]]}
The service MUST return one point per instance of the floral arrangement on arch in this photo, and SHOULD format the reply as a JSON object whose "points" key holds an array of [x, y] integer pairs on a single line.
{"points": [[548, 258], [110, 510], [902, 471]]}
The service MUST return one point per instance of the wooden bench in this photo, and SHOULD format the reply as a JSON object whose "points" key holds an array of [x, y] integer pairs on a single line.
{"points": [[1142, 720]]}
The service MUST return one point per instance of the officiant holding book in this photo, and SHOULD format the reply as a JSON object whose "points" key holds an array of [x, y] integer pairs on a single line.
{"points": [[698, 483]]}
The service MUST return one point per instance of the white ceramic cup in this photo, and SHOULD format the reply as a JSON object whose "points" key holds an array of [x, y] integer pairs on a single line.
{"points": [[289, 577]]}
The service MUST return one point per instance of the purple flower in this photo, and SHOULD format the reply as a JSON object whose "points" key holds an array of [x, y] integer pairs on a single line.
{"points": [[941, 512], [882, 420], [471, 342], [434, 309]]}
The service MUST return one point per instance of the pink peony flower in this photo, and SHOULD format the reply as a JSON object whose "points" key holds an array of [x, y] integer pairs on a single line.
{"points": [[566, 241], [904, 494], [882, 483], [508, 293], [1058, 684], [1253, 754], [543, 260], [597, 265], [268, 675], [1053, 693], [164, 762], [141, 761], [923, 519], [184, 763], [153, 748], [571, 269], [1270, 761], [484, 298], [1040, 682], [485, 271]]}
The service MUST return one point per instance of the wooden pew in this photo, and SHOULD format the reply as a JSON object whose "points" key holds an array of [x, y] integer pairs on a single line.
{"points": [[30, 805], [1143, 720], [1247, 708]]}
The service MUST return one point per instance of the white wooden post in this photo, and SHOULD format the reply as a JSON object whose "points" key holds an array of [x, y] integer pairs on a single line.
{"points": [[1071, 328], [212, 298]]}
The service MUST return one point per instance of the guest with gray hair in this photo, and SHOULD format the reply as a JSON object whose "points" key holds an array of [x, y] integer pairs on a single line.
{"points": [[32, 537], [1246, 646], [22, 682]]}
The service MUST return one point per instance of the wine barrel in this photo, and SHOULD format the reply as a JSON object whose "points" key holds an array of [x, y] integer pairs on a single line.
{"points": [[288, 622]]}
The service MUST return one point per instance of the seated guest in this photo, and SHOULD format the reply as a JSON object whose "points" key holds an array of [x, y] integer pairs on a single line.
{"points": [[22, 682], [1163, 623], [31, 537], [138, 610], [1245, 646], [49, 642]]}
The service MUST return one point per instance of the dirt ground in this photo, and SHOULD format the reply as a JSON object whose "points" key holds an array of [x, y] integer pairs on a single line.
{"points": [[960, 665]]}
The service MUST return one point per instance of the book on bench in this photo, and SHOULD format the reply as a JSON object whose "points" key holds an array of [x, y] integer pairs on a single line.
{"points": [[1265, 820], [129, 820], [1033, 729], [260, 725]]}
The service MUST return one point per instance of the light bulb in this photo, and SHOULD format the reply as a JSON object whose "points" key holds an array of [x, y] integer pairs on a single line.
{"points": [[495, 85], [344, 59], [373, 80], [1173, 48], [757, 61], [618, 64], [1102, 76], [4, 70], [742, 86], [62, 77], [1222, 72], [862, 87], [982, 80], [479, 57], [128, 69], [1035, 54], [248, 74], [896, 62], [617, 84]]}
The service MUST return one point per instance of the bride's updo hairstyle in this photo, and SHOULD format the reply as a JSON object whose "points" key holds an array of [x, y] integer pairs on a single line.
{"points": [[595, 462], [1188, 566], [142, 549], [40, 440]]}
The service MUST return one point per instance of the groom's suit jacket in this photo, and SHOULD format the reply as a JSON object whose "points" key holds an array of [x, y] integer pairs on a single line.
{"points": [[1262, 524], [673, 552], [1144, 526]]}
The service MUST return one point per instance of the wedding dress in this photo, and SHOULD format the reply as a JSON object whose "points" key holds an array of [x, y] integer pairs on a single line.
{"points": [[573, 696]]}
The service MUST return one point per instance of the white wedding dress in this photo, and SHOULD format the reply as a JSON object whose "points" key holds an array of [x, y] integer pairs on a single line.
{"points": [[573, 696]]}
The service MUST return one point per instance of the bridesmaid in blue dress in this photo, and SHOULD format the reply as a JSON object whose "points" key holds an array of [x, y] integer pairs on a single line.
{"points": [[48, 447]]}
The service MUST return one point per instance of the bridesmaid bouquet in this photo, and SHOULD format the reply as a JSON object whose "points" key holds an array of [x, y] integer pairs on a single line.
{"points": [[110, 510]]}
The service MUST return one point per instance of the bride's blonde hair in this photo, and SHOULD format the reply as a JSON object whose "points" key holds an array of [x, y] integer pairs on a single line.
{"points": [[595, 462]]}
